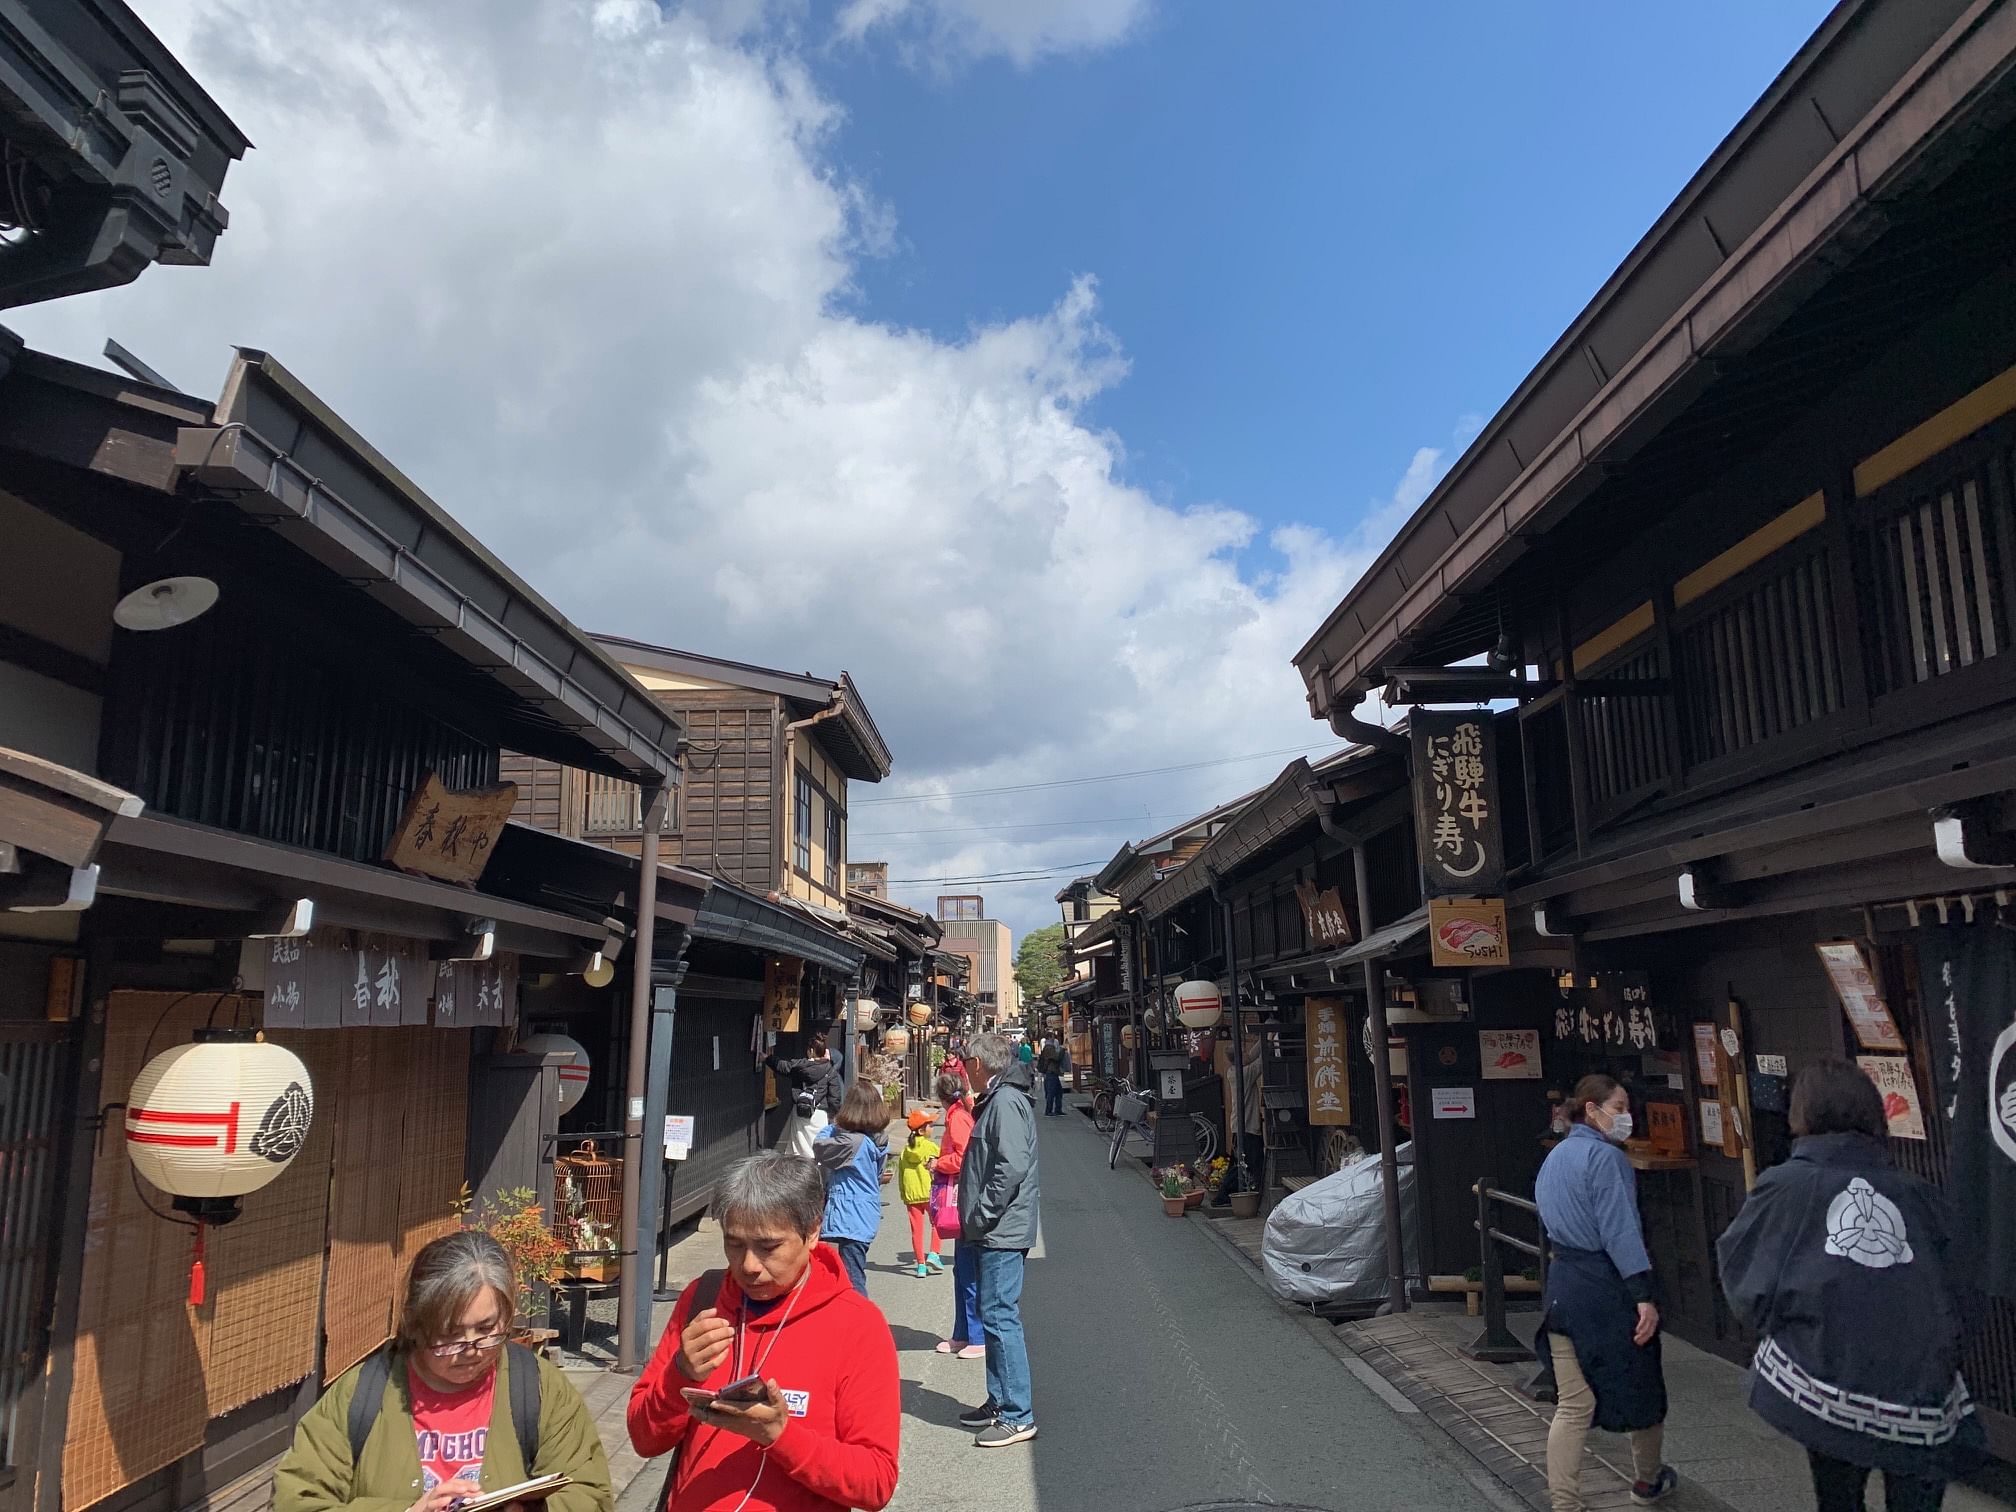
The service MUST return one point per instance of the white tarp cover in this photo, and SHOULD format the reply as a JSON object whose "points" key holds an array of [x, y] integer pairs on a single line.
{"points": [[1327, 1242]]}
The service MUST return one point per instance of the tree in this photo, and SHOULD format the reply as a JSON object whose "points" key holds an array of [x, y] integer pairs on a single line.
{"points": [[1039, 962]]}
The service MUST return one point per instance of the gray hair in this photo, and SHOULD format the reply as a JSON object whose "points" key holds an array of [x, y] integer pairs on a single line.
{"points": [[772, 1186], [447, 1276], [949, 1088], [992, 1052]]}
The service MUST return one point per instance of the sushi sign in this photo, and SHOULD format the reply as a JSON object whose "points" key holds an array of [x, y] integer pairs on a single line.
{"points": [[1509, 1054], [1902, 1108], [1468, 932], [1456, 804]]}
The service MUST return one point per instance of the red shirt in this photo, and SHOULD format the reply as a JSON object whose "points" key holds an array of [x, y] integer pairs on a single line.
{"points": [[451, 1428], [833, 1357]]}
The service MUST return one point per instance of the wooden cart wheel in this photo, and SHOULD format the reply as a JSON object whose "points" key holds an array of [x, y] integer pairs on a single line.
{"points": [[1336, 1142]]}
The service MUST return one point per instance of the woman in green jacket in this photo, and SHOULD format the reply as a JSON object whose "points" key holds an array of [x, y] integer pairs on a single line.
{"points": [[448, 1425]]}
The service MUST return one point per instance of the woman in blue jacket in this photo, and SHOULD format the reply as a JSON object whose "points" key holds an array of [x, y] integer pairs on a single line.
{"points": [[852, 1154]]}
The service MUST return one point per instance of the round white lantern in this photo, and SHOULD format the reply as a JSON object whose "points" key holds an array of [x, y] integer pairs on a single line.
{"points": [[896, 1041], [866, 1011], [211, 1121], [919, 1015], [574, 1073], [1199, 1004]]}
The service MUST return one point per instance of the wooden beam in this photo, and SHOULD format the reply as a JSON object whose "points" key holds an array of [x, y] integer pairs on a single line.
{"points": [[56, 811]]}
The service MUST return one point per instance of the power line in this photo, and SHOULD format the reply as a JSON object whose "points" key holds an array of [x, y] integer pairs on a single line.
{"points": [[1031, 787], [1027, 875], [977, 829]]}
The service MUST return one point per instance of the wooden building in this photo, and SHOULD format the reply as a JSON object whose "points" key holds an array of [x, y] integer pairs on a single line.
{"points": [[236, 645], [1741, 555]]}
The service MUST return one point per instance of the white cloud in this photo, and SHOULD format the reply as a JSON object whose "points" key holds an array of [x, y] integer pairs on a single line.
{"points": [[949, 32], [584, 271]]}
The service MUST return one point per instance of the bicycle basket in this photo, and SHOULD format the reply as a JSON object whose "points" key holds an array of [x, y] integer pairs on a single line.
{"points": [[1130, 1109]]}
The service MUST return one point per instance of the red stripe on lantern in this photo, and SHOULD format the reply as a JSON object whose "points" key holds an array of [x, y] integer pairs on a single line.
{"points": [[180, 1141], [228, 1122]]}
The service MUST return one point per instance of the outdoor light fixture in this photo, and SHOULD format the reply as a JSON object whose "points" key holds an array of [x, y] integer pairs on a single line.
{"points": [[165, 603], [600, 972], [1199, 1004]]}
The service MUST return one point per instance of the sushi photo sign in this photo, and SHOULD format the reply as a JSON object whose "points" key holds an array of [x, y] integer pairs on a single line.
{"points": [[1468, 932], [1902, 1109], [1509, 1054]]}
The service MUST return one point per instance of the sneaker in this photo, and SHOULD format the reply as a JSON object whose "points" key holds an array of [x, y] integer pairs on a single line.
{"points": [[983, 1416], [947, 1346], [934, 1262], [1645, 1493], [973, 1352], [1001, 1435], [922, 1270]]}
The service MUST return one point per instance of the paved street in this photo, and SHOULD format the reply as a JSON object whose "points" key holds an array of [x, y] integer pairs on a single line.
{"points": [[1164, 1377]]}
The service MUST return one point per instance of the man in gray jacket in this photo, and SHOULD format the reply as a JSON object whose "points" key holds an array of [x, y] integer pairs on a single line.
{"points": [[997, 1215]]}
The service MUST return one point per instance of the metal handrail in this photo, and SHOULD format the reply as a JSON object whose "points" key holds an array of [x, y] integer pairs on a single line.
{"points": [[1496, 1343]]}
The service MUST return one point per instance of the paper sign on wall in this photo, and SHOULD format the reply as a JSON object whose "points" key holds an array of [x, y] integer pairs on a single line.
{"points": [[1901, 1106], [1509, 1054], [1772, 1065], [1454, 1102], [1711, 1123], [1855, 984], [1706, 1066]]}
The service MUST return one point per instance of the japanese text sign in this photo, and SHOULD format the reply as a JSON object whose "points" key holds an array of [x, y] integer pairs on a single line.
{"points": [[1869, 1015], [1614, 1012], [1509, 1054], [1903, 1110], [450, 835], [1456, 803], [1329, 1080], [1323, 915], [1468, 932]]}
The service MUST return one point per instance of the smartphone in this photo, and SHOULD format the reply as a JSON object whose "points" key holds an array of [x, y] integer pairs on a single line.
{"points": [[743, 1393]]}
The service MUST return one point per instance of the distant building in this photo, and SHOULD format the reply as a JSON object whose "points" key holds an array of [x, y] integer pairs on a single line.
{"points": [[870, 878], [990, 946]]}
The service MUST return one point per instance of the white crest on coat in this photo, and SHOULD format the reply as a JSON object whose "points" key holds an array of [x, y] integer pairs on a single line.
{"points": [[1864, 1226]]}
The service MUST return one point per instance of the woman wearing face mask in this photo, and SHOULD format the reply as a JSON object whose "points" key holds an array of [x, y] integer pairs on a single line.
{"points": [[1601, 1326]]}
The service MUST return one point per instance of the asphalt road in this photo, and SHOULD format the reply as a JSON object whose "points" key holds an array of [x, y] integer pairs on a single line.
{"points": [[1164, 1377]]}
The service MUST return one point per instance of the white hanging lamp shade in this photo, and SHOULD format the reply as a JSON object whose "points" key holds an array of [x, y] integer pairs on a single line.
{"points": [[896, 1041], [1199, 1004], [165, 603], [919, 1015], [866, 1011], [209, 1122], [574, 1073]]}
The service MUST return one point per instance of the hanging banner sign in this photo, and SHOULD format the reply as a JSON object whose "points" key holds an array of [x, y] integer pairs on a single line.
{"points": [[449, 835], [1614, 1012], [1855, 984], [1468, 932], [1456, 804], [1323, 916], [1902, 1107], [1329, 1077]]}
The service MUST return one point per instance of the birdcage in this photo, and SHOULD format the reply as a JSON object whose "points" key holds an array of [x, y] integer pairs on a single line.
{"points": [[588, 1209]]}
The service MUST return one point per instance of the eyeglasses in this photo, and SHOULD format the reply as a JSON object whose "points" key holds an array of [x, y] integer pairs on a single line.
{"points": [[458, 1347]]}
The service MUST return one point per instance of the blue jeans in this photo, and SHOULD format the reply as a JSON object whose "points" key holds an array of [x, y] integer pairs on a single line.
{"points": [[966, 1295], [1001, 1319], [1053, 1094], [854, 1255]]}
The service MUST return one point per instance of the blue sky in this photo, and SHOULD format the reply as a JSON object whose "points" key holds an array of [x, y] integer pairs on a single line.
{"points": [[1324, 233]]}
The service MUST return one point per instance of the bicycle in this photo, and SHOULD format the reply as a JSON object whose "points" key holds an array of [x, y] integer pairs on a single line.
{"points": [[1133, 1110], [1105, 1093]]}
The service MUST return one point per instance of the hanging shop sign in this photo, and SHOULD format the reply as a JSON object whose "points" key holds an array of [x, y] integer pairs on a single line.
{"points": [[339, 978], [1509, 1054], [1967, 982], [1468, 932], [1329, 1076], [450, 835], [1902, 1107], [1854, 983], [1323, 916], [475, 994], [1199, 1004], [574, 1071], [1456, 804], [1611, 1010]]}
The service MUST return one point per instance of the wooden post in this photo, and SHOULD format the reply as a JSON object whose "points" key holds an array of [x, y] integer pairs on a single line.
{"points": [[1382, 1096], [1571, 717], [1735, 1070], [630, 1284]]}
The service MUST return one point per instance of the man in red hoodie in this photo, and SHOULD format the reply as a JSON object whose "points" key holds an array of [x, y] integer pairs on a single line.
{"points": [[823, 1436]]}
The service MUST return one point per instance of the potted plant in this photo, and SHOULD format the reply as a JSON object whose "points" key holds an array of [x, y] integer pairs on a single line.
{"points": [[594, 1256], [1216, 1174], [1170, 1182], [1246, 1204], [515, 1219]]}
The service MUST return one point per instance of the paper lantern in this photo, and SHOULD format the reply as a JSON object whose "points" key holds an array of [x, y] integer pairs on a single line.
{"points": [[866, 1012], [211, 1121], [919, 1015], [1127, 1035], [896, 1041], [574, 1074], [1198, 1004]]}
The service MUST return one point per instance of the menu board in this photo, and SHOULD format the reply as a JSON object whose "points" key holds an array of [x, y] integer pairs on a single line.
{"points": [[1869, 1015]]}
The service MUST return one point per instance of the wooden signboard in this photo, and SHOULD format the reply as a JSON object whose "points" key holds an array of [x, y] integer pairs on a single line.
{"points": [[1666, 1126], [475, 994], [1468, 932], [1456, 804], [448, 835], [1323, 915], [1855, 984], [1329, 1077]]}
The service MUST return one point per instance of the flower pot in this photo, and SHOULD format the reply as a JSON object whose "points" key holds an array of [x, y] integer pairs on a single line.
{"points": [[1245, 1204], [1175, 1207], [1194, 1199]]}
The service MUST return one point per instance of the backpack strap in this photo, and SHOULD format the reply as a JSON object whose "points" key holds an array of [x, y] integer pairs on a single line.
{"points": [[706, 1290], [524, 1381], [369, 1397]]}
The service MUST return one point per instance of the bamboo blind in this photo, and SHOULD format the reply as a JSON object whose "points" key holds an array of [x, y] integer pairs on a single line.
{"points": [[437, 1131], [151, 1370], [364, 1196]]}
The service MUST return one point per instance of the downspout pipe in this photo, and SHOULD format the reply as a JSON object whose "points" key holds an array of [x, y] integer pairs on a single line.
{"points": [[832, 711], [1382, 1077], [1344, 721], [1238, 1135], [630, 1280]]}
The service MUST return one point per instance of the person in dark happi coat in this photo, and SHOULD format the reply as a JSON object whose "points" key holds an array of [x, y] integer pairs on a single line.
{"points": [[1843, 1266], [1601, 1325]]}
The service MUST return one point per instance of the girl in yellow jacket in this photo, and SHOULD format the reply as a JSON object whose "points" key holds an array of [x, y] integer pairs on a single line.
{"points": [[913, 1170]]}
